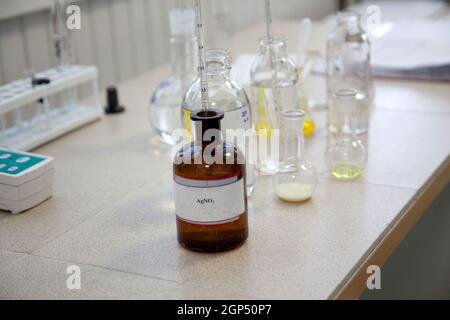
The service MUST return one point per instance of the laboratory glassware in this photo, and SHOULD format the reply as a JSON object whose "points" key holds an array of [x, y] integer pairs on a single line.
{"points": [[2, 129], [274, 79], [304, 71], [60, 33], [62, 41], [225, 94], [41, 121], [348, 66], [210, 197], [165, 103], [296, 179], [304, 62], [347, 155], [209, 177]]}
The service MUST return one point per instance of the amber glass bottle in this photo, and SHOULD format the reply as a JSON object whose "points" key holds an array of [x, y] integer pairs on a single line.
{"points": [[209, 189]]}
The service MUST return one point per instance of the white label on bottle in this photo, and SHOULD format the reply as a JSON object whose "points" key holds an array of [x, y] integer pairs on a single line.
{"points": [[209, 201]]}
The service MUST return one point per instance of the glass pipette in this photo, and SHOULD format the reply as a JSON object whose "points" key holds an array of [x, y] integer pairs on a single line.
{"points": [[272, 57], [201, 56]]}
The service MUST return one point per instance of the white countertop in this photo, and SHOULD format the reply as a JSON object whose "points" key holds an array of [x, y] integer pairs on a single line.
{"points": [[112, 212]]}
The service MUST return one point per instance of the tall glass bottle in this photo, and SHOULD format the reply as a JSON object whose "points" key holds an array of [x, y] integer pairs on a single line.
{"points": [[274, 78], [225, 94], [209, 188], [166, 100], [348, 66]]}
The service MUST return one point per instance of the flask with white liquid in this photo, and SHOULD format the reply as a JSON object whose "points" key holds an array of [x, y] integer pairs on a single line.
{"points": [[296, 179]]}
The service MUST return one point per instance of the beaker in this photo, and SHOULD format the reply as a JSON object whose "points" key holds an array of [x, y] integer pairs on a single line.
{"points": [[296, 179], [346, 155]]}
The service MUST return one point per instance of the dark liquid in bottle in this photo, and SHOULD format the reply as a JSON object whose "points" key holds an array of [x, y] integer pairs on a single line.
{"points": [[220, 235]]}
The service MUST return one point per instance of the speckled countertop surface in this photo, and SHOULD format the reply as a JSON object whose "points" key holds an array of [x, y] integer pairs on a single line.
{"points": [[112, 212]]}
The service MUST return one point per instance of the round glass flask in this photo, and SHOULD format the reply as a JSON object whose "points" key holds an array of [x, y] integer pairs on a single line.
{"points": [[346, 157], [296, 179]]}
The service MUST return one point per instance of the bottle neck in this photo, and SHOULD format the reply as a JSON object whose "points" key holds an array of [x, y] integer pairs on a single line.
{"points": [[217, 63], [183, 56], [293, 150], [350, 22], [276, 46], [346, 114], [293, 139]]}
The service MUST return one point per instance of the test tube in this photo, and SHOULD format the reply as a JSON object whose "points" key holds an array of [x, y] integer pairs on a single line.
{"points": [[2, 129], [63, 51], [59, 32]]}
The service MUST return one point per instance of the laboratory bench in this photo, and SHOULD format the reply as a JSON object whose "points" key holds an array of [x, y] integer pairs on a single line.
{"points": [[112, 213]]}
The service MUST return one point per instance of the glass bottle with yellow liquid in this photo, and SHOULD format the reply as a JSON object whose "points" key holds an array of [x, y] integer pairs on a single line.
{"points": [[346, 155], [274, 78]]}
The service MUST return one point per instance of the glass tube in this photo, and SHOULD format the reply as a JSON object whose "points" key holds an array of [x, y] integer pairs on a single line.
{"points": [[60, 33], [2, 129]]}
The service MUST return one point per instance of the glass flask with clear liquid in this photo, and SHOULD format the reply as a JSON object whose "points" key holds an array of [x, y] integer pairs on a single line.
{"points": [[274, 79], [165, 104], [226, 95], [347, 155], [297, 177], [348, 66]]}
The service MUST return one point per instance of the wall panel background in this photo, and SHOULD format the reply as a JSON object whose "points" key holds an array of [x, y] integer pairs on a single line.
{"points": [[125, 37]]}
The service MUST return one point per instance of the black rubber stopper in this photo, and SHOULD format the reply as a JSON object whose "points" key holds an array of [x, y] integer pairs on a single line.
{"points": [[209, 119], [39, 81], [112, 100]]}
